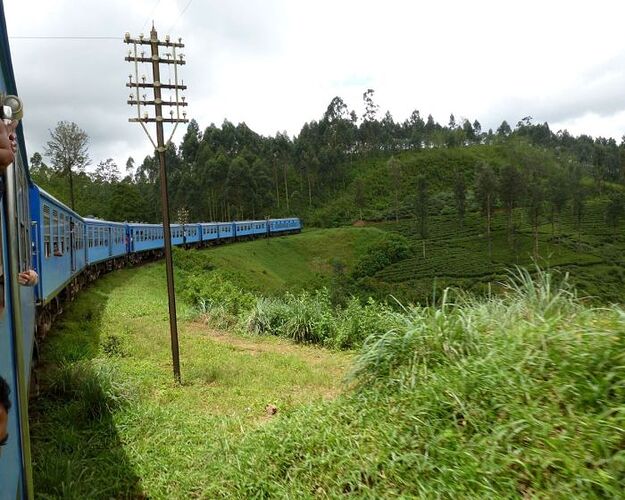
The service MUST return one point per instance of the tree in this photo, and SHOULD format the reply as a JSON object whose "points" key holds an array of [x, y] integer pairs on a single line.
{"points": [[614, 210], [534, 205], [360, 199], [477, 127], [130, 165], [510, 192], [578, 197], [370, 125], [504, 129], [67, 148], [460, 197], [486, 192], [394, 170], [421, 205], [107, 172], [558, 194]]}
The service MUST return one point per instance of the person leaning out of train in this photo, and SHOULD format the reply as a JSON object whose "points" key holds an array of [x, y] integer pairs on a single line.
{"points": [[8, 149], [8, 145], [5, 406]]}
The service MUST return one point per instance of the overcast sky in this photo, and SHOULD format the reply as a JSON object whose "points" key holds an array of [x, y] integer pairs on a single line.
{"points": [[276, 64]]}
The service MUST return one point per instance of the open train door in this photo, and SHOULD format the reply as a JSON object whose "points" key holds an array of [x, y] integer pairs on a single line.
{"points": [[15, 458], [72, 243]]}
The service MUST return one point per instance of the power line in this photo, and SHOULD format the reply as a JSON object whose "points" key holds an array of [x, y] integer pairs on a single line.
{"points": [[181, 13], [118, 38], [151, 14]]}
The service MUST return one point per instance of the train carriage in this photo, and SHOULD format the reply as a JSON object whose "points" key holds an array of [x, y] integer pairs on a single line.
{"points": [[177, 234], [105, 240], [192, 234], [59, 253], [209, 231], [225, 230], [282, 226], [250, 228], [17, 303], [144, 237]]}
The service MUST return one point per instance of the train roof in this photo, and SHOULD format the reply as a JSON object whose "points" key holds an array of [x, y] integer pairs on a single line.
{"points": [[93, 220], [45, 194]]}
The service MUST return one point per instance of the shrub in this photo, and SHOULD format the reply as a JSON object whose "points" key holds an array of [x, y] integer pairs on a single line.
{"points": [[192, 260], [214, 294], [306, 318], [392, 248], [355, 323]]}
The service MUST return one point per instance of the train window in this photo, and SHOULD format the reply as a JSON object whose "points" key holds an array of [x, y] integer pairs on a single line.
{"points": [[23, 219], [46, 231], [62, 232], [55, 233]]}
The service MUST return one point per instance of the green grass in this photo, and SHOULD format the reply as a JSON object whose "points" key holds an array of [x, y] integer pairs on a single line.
{"points": [[110, 422], [520, 395], [274, 265], [452, 255]]}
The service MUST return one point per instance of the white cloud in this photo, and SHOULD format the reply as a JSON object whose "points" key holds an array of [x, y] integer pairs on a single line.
{"points": [[277, 64]]}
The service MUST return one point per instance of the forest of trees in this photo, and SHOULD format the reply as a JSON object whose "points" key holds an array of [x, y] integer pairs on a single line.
{"points": [[231, 172]]}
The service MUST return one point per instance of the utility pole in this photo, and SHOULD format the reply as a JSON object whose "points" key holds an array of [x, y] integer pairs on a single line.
{"points": [[142, 118]]}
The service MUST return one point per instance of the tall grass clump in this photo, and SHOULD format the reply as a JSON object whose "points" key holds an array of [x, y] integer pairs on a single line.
{"points": [[311, 318], [91, 389], [305, 317], [520, 395], [215, 296]]}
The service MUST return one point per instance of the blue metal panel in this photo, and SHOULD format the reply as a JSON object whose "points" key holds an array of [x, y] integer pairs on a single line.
{"points": [[226, 230], [209, 231], [282, 225], [10, 457], [105, 240], [80, 244], [192, 233], [54, 256], [177, 234], [145, 237]]}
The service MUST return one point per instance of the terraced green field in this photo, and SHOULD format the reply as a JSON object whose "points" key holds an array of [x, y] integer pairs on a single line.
{"points": [[455, 255]]}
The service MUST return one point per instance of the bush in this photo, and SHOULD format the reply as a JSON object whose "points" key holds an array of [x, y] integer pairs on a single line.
{"points": [[389, 250], [311, 318], [356, 323], [306, 318], [191, 261], [212, 293]]}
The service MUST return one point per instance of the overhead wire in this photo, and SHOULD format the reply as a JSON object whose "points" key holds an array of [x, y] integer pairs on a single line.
{"points": [[158, 2], [65, 37], [180, 15]]}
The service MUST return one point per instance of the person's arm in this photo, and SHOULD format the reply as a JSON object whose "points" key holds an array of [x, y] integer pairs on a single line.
{"points": [[28, 278]]}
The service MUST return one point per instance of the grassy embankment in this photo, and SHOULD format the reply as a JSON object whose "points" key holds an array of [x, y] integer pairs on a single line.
{"points": [[520, 395]]}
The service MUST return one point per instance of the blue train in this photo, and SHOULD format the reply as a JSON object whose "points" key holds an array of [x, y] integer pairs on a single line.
{"points": [[67, 250]]}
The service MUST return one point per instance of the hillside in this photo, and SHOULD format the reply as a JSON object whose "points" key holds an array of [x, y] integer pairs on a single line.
{"points": [[307, 260], [518, 395], [559, 217]]}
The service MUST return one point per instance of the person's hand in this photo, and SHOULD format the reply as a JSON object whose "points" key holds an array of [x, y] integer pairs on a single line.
{"points": [[28, 278], [8, 145]]}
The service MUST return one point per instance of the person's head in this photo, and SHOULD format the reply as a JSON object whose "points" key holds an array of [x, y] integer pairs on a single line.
{"points": [[8, 146], [5, 406]]}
